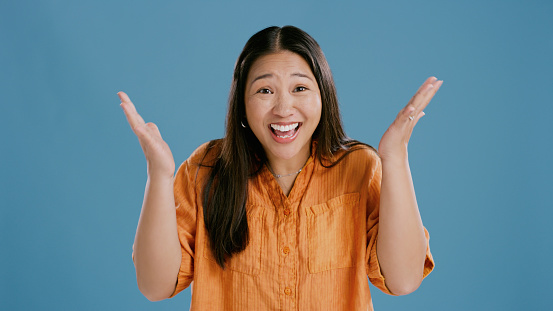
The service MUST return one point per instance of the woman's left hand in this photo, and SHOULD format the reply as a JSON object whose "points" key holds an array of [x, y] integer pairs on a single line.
{"points": [[393, 144]]}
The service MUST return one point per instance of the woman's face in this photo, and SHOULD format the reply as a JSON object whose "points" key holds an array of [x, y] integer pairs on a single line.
{"points": [[283, 105]]}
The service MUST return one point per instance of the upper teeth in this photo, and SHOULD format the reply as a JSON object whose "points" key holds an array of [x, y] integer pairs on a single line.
{"points": [[284, 128]]}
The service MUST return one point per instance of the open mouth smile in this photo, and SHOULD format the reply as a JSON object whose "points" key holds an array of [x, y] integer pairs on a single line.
{"points": [[285, 133]]}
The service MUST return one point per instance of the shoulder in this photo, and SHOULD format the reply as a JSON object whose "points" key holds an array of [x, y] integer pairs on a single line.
{"points": [[364, 161], [358, 153], [357, 161], [365, 152], [203, 158], [205, 155]]}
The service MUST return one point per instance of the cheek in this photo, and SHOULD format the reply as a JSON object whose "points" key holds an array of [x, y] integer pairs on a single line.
{"points": [[254, 114], [315, 109], [250, 109]]}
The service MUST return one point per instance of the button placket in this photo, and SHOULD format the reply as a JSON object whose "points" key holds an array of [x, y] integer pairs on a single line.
{"points": [[287, 240]]}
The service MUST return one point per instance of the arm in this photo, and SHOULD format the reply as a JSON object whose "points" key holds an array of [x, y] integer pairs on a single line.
{"points": [[401, 242], [157, 251]]}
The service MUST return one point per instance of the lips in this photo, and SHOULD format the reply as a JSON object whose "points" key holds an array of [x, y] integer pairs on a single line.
{"points": [[284, 133]]}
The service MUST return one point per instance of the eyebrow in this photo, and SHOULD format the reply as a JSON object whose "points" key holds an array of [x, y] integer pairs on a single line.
{"points": [[299, 74], [267, 75], [270, 75]]}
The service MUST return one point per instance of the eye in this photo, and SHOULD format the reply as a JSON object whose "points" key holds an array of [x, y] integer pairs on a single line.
{"points": [[300, 89], [264, 91]]}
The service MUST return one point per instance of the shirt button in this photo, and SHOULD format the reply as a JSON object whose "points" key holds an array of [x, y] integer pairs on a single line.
{"points": [[286, 212], [286, 250], [288, 291]]}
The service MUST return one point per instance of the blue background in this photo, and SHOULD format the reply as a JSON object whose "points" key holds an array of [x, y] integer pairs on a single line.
{"points": [[73, 173]]}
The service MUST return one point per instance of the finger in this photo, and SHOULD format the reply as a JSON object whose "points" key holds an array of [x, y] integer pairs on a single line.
{"points": [[409, 115], [403, 120], [422, 99], [132, 115], [418, 117], [134, 119], [422, 89], [428, 80], [412, 123], [430, 93]]}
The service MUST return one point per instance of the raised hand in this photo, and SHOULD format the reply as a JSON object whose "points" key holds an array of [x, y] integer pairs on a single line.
{"points": [[401, 242], [393, 144], [158, 155]]}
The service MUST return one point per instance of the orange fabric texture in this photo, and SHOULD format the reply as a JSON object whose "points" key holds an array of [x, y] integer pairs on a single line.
{"points": [[312, 250]]}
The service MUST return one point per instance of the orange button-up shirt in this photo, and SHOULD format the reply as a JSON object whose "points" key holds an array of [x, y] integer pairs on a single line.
{"points": [[310, 250]]}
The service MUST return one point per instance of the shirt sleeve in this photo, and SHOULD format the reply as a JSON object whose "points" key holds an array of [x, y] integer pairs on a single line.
{"points": [[373, 205], [186, 209]]}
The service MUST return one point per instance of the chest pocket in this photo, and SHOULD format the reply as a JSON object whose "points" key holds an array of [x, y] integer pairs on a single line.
{"points": [[330, 233], [249, 260]]}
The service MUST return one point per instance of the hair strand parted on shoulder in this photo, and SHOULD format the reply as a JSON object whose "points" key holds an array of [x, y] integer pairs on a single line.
{"points": [[241, 155]]}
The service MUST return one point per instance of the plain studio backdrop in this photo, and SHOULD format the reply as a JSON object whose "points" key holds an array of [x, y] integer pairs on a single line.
{"points": [[73, 173]]}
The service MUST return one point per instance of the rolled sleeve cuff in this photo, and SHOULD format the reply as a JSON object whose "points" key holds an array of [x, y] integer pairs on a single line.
{"points": [[186, 274], [375, 274]]}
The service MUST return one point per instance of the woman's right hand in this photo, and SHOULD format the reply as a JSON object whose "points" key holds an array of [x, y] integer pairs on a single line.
{"points": [[158, 154]]}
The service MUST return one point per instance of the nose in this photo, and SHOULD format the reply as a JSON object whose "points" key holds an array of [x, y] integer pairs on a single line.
{"points": [[283, 105]]}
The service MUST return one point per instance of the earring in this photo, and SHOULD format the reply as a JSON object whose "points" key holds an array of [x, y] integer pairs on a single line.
{"points": [[242, 124]]}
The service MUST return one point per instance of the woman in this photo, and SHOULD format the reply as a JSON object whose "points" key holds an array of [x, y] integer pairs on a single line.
{"points": [[284, 212]]}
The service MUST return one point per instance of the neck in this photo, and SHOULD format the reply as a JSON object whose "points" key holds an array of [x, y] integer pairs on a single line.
{"points": [[285, 167]]}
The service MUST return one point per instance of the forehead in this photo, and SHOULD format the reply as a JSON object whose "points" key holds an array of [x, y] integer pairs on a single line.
{"points": [[283, 63]]}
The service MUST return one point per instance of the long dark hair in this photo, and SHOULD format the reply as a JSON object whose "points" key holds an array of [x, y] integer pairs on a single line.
{"points": [[241, 155]]}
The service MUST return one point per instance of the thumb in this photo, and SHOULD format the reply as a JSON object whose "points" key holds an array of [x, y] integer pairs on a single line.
{"points": [[154, 128]]}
